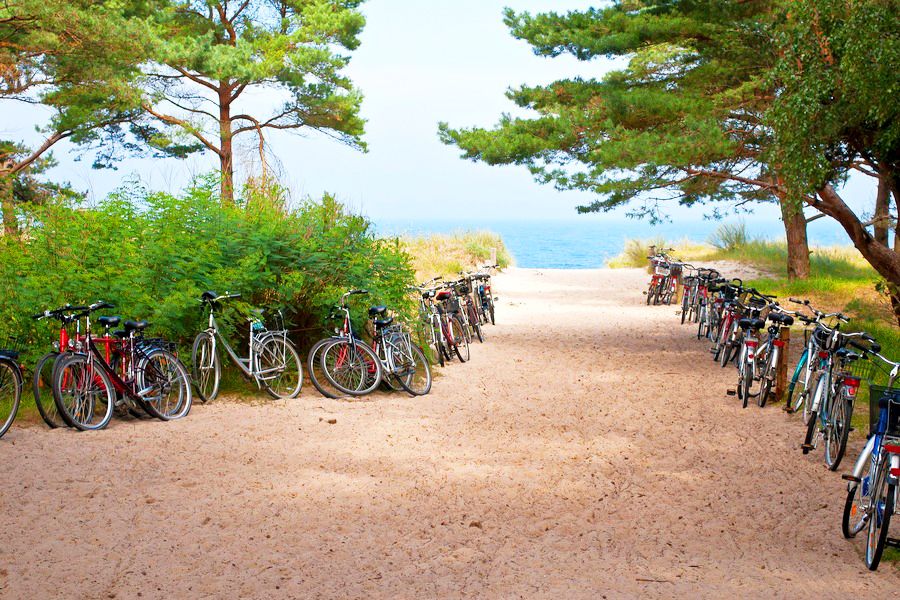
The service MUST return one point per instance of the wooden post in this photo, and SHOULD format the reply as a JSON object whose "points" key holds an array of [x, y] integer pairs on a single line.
{"points": [[781, 378], [493, 256]]}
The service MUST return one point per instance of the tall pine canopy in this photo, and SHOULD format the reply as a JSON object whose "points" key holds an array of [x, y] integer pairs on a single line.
{"points": [[210, 55]]}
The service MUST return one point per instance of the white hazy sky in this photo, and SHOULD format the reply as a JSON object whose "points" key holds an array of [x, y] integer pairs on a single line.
{"points": [[419, 63]]}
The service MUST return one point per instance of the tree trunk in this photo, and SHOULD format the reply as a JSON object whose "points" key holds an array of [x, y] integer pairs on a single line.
{"points": [[226, 152], [884, 260], [797, 244]]}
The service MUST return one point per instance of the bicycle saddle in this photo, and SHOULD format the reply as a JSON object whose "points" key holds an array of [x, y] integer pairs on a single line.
{"points": [[135, 325], [374, 311], [109, 321], [782, 318], [381, 323], [751, 324]]}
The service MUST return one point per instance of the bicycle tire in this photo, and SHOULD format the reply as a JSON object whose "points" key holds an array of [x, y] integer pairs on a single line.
{"points": [[810, 432], [167, 383], [491, 310], [83, 392], [745, 380], [436, 346], [351, 367], [11, 383], [650, 291], [317, 375], [461, 345], [684, 308], [810, 399], [278, 367], [770, 372], [837, 435], [42, 388], [417, 382], [880, 517], [857, 504], [205, 367]]}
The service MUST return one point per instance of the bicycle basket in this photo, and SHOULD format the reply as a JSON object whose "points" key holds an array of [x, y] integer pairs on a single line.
{"points": [[864, 369], [881, 395], [663, 269], [823, 338]]}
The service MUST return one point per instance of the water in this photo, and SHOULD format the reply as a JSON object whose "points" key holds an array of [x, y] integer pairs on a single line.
{"points": [[589, 242]]}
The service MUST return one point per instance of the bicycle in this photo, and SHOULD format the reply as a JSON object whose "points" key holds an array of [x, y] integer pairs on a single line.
{"points": [[769, 354], [402, 361], [11, 383], [346, 362], [88, 384], [273, 362], [872, 485], [810, 359], [485, 296], [465, 290], [832, 401], [456, 335], [42, 382]]}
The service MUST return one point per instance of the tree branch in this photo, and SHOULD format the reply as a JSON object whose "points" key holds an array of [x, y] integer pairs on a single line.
{"points": [[183, 124]]}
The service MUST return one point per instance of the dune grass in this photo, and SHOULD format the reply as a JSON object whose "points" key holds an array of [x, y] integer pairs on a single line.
{"points": [[447, 254]]}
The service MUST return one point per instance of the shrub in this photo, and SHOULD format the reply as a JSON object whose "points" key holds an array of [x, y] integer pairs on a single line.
{"points": [[152, 254]]}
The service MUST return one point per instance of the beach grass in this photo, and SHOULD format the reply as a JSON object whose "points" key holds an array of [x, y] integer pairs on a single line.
{"points": [[446, 254]]}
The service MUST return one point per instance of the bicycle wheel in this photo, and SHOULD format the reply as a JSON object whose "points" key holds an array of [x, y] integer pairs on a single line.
{"points": [[768, 376], [745, 380], [880, 516], [814, 398], [650, 291], [413, 372], [205, 366], [475, 324], [810, 432], [351, 367], [461, 345], [164, 384], [856, 508], [435, 346], [42, 387], [278, 367], [10, 393], [836, 435], [684, 307], [491, 309], [83, 393], [725, 354], [315, 372]]}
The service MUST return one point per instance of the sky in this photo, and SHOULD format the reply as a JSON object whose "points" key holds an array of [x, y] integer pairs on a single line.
{"points": [[419, 63]]}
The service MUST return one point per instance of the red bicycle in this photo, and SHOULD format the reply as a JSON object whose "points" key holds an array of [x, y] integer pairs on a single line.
{"points": [[130, 372]]}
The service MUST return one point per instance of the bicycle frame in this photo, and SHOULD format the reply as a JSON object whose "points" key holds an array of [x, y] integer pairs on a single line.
{"points": [[254, 341]]}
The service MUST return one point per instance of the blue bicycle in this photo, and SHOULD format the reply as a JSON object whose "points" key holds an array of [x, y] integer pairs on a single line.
{"points": [[872, 487]]}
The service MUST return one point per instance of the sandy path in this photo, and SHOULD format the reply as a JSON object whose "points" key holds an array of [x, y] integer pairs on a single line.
{"points": [[588, 450]]}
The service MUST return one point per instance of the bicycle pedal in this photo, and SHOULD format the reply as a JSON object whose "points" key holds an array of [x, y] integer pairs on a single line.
{"points": [[848, 477], [807, 447], [788, 410], [731, 392]]}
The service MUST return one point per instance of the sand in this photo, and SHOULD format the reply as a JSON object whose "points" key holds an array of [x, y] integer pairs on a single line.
{"points": [[588, 450]]}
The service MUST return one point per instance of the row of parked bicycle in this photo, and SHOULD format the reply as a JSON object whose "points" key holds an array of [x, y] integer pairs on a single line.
{"points": [[747, 328], [90, 374]]}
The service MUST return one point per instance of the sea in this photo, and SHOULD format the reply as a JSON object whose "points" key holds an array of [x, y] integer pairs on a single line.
{"points": [[589, 242]]}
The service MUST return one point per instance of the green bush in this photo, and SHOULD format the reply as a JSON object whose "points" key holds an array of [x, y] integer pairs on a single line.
{"points": [[152, 254]]}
